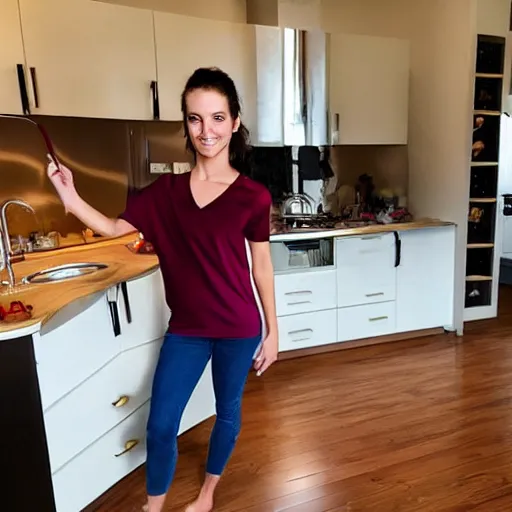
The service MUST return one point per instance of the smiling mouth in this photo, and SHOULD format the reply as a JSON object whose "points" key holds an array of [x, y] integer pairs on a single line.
{"points": [[208, 141]]}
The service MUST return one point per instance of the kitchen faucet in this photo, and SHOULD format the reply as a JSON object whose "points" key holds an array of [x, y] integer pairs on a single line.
{"points": [[6, 253]]}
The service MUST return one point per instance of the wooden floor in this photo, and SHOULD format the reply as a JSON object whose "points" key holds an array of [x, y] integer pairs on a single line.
{"points": [[423, 425]]}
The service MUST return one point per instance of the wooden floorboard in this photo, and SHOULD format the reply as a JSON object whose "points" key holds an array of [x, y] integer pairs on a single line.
{"points": [[419, 425]]}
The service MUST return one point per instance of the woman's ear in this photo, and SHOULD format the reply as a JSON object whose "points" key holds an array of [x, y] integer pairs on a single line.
{"points": [[236, 125]]}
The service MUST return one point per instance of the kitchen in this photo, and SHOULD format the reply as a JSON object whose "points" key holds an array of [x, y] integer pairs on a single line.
{"points": [[118, 143]]}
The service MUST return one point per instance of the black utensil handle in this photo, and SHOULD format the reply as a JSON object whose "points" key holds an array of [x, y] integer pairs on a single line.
{"points": [[126, 298], [398, 249], [23, 89], [114, 313], [34, 86], [156, 100]]}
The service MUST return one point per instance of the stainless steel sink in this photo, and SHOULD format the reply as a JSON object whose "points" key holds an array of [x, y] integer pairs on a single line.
{"points": [[62, 272]]}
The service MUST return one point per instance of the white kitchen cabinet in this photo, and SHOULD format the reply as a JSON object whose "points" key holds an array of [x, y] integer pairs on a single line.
{"points": [[369, 89], [307, 330], [366, 271], [89, 59], [425, 279], [147, 308], [73, 345], [305, 291], [184, 44], [101, 402], [102, 464], [367, 321], [11, 55]]}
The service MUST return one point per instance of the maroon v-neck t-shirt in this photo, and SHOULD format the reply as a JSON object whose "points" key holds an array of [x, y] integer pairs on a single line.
{"points": [[202, 252]]}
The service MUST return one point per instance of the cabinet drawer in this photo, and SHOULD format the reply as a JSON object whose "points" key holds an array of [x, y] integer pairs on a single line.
{"points": [[307, 330], [74, 344], [367, 247], [100, 403], [303, 292], [366, 321], [366, 272], [102, 464]]}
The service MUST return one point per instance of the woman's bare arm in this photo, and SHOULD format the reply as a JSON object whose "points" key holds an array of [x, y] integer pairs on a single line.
{"points": [[96, 221], [263, 273]]}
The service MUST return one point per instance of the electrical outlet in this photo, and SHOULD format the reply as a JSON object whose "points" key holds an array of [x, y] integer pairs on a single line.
{"points": [[159, 168], [180, 167]]}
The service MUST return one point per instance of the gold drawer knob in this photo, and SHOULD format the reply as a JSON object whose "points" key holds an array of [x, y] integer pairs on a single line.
{"points": [[128, 446], [123, 400]]}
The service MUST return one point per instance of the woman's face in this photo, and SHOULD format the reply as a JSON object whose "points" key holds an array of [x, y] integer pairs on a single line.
{"points": [[209, 122]]}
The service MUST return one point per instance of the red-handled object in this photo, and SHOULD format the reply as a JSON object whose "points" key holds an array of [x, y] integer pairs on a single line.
{"points": [[18, 312], [42, 131]]}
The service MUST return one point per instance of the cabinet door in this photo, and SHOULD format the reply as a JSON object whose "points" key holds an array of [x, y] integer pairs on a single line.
{"points": [[147, 308], [90, 59], [366, 270], [425, 279], [11, 54], [369, 89], [228, 46]]}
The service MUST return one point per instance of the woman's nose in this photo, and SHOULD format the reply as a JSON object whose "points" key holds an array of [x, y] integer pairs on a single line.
{"points": [[206, 127]]}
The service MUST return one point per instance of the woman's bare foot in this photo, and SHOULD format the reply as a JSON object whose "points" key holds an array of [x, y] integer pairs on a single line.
{"points": [[204, 502], [154, 504], [200, 505]]}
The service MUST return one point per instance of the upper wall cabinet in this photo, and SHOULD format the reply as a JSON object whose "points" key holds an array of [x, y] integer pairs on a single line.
{"points": [[184, 44], [88, 59], [11, 56], [369, 89]]}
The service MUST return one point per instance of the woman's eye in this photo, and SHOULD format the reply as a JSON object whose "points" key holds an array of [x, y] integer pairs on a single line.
{"points": [[219, 118], [192, 119]]}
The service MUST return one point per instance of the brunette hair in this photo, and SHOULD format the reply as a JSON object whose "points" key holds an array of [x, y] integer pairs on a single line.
{"points": [[217, 80]]}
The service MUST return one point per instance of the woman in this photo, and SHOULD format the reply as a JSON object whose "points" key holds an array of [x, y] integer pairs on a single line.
{"points": [[199, 223]]}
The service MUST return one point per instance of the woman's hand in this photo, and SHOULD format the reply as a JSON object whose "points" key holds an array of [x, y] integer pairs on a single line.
{"points": [[62, 179], [267, 354]]}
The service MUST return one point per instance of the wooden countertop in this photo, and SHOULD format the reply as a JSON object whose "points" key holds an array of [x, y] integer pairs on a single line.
{"points": [[303, 234], [47, 298]]}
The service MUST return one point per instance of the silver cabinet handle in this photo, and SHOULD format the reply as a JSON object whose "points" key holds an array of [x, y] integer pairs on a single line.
{"points": [[377, 318], [299, 331], [378, 294], [298, 302], [300, 292]]}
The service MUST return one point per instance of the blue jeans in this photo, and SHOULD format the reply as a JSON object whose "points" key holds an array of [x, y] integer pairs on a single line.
{"points": [[181, 363]]}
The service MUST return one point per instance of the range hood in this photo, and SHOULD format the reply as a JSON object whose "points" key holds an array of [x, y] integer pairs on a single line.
{"points": [[292, 87]]}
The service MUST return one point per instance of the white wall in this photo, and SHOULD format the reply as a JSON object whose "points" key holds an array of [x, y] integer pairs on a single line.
{"points": [[441, 103], [493, 17]]}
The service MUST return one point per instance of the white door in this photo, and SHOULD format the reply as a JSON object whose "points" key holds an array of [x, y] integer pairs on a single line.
{"points": [[184, 44], [11, 55], [369, 89], [89, 59], [425, 279]]}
